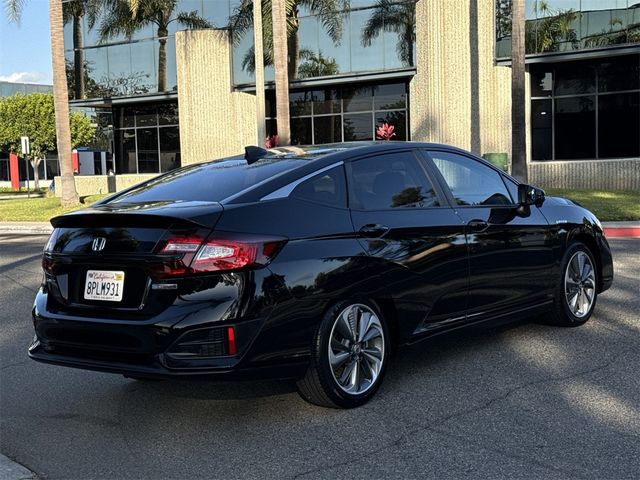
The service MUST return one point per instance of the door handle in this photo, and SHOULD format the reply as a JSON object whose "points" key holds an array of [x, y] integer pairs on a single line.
{"points": [[373, 230], [478, 225]]}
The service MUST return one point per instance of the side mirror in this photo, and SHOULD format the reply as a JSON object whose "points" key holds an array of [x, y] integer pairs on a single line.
{"points": [[529, 195]]}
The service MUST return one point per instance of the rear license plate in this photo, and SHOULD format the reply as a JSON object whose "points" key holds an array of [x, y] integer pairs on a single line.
{"points": [[104, 285]]}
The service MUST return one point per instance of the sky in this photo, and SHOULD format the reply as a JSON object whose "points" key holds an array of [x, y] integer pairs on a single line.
{"points": [[25, 48]]}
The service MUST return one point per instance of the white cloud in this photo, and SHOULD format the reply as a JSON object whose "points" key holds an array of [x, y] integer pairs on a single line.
{"points": [[25, 77]]}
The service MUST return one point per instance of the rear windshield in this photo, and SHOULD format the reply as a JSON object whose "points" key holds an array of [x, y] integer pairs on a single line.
{"points": [[209, 182]]}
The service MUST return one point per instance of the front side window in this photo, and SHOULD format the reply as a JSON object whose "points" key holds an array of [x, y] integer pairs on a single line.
{"points": [[394, 180], [327, 188], [471, 182]]}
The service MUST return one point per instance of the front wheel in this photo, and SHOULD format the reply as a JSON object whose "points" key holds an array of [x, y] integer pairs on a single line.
{"points": [[577, 291], [348, 358]]}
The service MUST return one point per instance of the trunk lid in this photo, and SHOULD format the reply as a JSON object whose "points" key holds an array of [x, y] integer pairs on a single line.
{"points": [[123, 238]]}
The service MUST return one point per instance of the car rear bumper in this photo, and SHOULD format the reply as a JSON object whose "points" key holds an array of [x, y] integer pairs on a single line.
{"points": [[156, 369], [154, 348]]}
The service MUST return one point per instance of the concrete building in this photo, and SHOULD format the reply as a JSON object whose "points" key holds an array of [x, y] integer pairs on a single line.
{"points": [[438, 70]]}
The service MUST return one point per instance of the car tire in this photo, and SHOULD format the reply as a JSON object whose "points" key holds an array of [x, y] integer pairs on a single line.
{"points": [[349, 355], [577, 288]]}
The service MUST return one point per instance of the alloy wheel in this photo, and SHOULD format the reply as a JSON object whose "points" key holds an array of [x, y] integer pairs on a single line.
{"points": [[580, 284], [356, 349]]}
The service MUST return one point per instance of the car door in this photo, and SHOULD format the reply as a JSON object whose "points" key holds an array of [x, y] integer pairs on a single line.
{"points": [[510, 254], [414, 237]]}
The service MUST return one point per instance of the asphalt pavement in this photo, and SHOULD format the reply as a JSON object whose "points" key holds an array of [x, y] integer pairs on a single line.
{"points": [[527, 401]]}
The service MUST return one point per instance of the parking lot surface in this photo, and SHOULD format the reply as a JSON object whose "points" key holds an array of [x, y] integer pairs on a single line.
{"points": [[526, 401]]}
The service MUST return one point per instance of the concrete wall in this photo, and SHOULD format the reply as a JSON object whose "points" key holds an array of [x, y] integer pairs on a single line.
{"points": [[596, 174], [94, 184], [458, 96], [214, 120]]}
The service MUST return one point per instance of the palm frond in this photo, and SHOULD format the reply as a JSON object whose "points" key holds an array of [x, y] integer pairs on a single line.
{"points": [[249, 59], [14, 9], [193, 20], [331, 16]]}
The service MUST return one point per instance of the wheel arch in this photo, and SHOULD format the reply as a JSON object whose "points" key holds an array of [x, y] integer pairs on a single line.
{"points": [[590, 242]]}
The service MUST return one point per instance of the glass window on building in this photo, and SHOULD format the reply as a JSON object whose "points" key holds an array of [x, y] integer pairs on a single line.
{"points": [[343, 113], [104, 66], [366, 36], [147, 138], [586, 109], [4, 165], [569, 25]]}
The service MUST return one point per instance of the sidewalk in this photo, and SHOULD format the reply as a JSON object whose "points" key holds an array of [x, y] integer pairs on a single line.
{"points": [[611, 229], [10, 470], [25, 228]]}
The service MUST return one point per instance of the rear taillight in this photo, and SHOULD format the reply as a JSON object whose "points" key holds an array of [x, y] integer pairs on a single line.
{"points": [[48, 248], [220, 252]]}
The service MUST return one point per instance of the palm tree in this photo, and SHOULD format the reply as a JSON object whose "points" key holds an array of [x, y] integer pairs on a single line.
{"points": [[69, 194], [551, 29], [125, 17], [399, 18], [74, 11], [259, 69], [280, 55], [328, 12], [518, 101], [316, 65]]}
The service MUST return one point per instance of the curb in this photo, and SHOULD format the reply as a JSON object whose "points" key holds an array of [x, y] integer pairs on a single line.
{"points": [[622, 232], [26, 228], [10, 470]]}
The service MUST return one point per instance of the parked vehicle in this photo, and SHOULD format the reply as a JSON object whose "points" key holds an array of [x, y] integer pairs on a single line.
{"points": [[310, 263]]}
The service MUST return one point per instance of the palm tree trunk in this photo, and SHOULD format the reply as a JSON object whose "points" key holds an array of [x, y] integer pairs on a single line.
{"points": [[279, 18], [259, 69], [162, 60], [408, 36], [78, 58], [518, 100], [293, 47], [61, 105]]}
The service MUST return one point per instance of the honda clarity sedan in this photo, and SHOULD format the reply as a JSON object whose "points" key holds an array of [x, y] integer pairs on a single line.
{"points": [[309, 263]]}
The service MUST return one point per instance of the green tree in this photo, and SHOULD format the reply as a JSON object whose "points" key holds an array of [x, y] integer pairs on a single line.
{"points": [[125, 17], [395, 17], [328, 12], [60, 96], [33, 116]]}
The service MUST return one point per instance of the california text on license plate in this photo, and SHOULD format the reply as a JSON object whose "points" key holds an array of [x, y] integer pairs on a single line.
{"points": [[104, 285]]}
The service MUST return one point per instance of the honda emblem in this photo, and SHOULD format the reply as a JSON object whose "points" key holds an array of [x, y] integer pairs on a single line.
{"points": [[98, 244]]}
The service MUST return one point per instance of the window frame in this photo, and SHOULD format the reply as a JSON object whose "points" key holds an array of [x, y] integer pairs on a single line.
{"points": [[422, 169], [426, 153]]}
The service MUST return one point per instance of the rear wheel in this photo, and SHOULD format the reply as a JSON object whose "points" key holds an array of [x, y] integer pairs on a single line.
{"points": [[576, 293], [348, 358]]}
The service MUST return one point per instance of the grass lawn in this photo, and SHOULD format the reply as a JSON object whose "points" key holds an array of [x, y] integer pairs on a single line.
{"points": [[37, 209], [609, 206]]}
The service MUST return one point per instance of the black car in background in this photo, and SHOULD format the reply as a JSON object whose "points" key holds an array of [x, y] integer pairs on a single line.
{"points": [[311, 263]]}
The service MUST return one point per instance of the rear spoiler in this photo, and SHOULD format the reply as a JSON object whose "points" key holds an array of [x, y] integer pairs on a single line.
{"points": [[180, 214]]}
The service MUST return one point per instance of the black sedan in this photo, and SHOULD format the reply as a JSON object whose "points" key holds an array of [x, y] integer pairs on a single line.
{"points": [[309, 263]]}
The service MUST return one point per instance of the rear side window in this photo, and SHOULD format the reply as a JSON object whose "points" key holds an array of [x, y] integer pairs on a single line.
{"points": [[327, 188], [471, 182], [393, 180], [208, 182]]}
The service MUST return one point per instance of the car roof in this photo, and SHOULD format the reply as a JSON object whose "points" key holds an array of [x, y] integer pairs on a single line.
{"points": [[322, 156]]}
